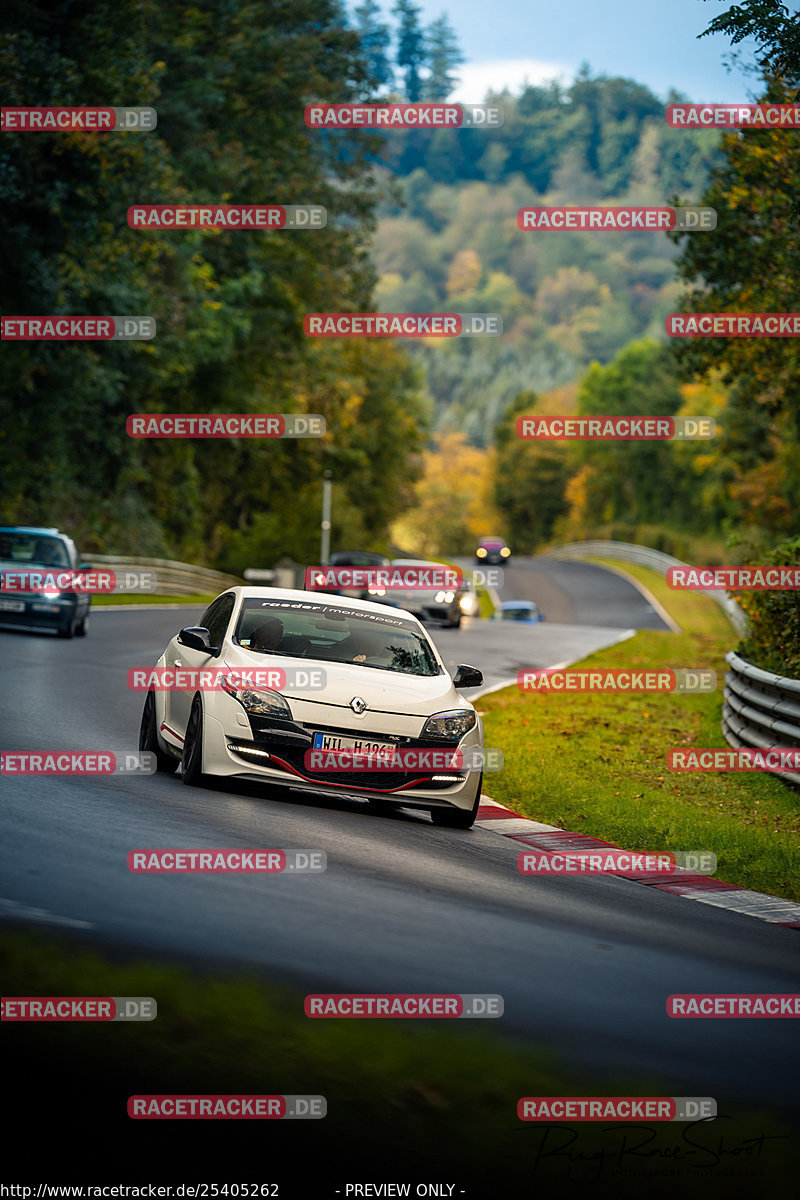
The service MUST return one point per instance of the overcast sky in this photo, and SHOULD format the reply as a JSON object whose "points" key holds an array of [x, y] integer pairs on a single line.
{"points": [[651, 41]]}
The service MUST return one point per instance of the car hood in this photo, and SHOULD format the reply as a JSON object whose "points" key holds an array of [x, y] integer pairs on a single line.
{"points": [[383, 691]]}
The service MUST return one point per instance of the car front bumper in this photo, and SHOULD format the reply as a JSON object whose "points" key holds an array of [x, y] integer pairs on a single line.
{"points": [[41, 612], [266, 750]]}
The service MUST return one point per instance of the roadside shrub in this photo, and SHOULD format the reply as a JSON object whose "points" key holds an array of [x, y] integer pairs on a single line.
{"points": [[773, 642]]}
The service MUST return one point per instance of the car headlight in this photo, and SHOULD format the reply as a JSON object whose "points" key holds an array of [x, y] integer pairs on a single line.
{"points": [[451, 725], [262, 701], [376, 591], [480, 552], [444, 597], [504, 553]]}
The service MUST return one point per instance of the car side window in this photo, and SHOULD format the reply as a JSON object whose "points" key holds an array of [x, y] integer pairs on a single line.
{"points": [[215, 619]]}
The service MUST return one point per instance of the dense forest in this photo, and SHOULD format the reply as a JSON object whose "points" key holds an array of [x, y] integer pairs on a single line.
{"points": [[417, 221], [567, 299], [229, 305]]}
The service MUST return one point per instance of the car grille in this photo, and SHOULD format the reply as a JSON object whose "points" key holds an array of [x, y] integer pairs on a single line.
{"points": [[281, 742]]}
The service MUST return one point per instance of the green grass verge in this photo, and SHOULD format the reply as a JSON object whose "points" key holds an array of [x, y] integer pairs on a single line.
{"points": [[595, 763], [405, 1098], [150, 598], [487, 608]]}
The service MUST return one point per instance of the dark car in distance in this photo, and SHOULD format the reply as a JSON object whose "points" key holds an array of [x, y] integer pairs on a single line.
{"points": [[492, 550], [354, 558], [32, 546]]}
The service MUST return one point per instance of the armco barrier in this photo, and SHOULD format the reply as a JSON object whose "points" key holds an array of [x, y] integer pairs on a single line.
{"points": [[760, 709], [645, 557], [173, 578]]}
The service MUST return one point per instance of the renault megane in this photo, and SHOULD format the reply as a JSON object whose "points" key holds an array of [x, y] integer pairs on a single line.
{"points": [[386, 700]]}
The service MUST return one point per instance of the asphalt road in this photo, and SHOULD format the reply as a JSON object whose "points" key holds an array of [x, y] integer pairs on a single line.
{"points": [[574, 593], [584, 964]]}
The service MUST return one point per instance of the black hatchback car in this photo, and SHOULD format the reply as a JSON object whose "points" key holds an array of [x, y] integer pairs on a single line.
{"points": [[354, 558], [23, 546]]}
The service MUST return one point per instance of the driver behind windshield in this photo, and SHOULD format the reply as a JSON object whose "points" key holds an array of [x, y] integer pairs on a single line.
{"points": [[49, 553], [268, 635]]}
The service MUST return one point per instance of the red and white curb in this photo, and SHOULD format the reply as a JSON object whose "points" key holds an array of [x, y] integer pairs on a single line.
{"points": [[495, 818]]}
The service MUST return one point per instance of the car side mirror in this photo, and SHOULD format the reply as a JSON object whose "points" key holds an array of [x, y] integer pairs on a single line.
{"points": [[85, 567], [196, 637], [467, 677]]}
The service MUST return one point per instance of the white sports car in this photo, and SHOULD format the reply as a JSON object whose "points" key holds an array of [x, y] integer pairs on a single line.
{"points": [[386, 693]]}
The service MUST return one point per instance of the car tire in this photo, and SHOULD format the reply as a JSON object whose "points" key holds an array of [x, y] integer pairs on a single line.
{"points": [[457, 623], [148, 736], [192, 757], [458, 818], [67, 630], [82, 627]]}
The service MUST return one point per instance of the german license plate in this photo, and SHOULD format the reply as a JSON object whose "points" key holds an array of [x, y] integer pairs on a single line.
{"points": [[332, 741], [12, 606]]}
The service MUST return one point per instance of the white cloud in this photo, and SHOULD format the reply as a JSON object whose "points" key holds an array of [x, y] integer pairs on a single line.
{"points": [[477, 78]]}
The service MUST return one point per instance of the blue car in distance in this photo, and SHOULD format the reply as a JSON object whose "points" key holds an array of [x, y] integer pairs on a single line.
{"points": [[519, 610]]}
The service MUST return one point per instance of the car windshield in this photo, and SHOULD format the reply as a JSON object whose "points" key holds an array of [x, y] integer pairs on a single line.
{"points": [[328, 633], [32, 548], [517, 614], [357, 558]]}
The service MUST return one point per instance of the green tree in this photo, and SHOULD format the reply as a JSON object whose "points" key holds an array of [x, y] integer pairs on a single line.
{"points": [[530, 481], [229, 305], [631, 480], [752, 264], [411, 54], [444, 57], [776, 32], [375, 38]]}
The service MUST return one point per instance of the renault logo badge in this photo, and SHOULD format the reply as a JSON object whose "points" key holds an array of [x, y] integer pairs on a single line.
{"points": [[358, 705]]}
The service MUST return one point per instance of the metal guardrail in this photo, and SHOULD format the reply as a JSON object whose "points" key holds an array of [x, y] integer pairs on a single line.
{"points": [[172, 578], [646, 557], [760, 709]]}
